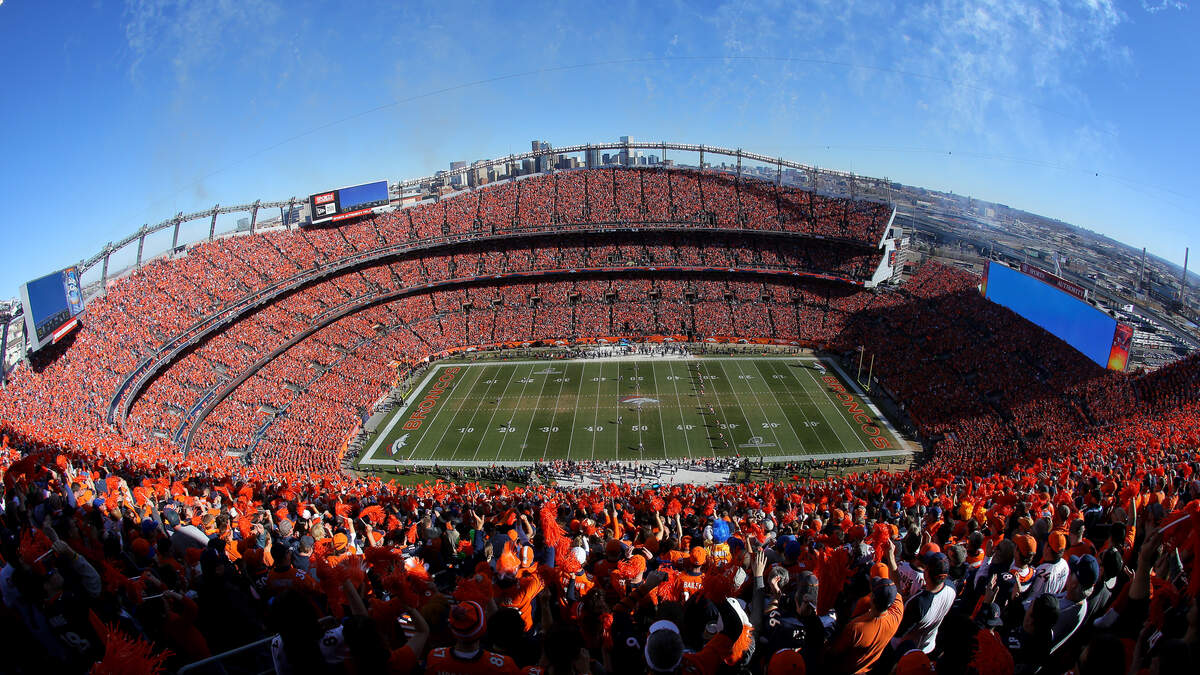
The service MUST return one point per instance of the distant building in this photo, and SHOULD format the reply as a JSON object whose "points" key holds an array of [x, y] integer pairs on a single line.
{"points": [[593, 158], [457, 179], [628, 156], [543, 163], [243, 224]]}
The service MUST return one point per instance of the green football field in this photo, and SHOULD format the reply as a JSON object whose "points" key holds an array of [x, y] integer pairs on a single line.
{"points": [[630, 409]]}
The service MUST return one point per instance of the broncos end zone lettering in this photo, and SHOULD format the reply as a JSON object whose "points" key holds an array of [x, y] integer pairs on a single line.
{"points": [[859, 416], [431, 398]]}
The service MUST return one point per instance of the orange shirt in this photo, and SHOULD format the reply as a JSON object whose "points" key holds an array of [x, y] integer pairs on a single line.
{"points": [[690, 583], [1084, 547], [520, 597], [863, 640]]}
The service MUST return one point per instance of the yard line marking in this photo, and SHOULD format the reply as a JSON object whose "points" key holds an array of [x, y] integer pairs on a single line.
{"points": [[574, 411], [398, 413], [492, 419], [596, 421], [802, 407], [733, 445], [778, 443], [742, 408], [561, 381], [679, 409], [508, 424], [471, 421]]}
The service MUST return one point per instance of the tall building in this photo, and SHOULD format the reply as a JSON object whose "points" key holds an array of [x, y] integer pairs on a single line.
{"points": [[544, 162], [478, 175], [457, 179], [593, 158], [626, 153]]}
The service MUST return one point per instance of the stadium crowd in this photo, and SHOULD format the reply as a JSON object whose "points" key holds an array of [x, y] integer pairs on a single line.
{"points": [[1083, 558], [1053, 525]]}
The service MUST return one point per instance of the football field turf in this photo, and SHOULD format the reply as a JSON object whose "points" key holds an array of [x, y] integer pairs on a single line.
{"points": [[630, 409]]}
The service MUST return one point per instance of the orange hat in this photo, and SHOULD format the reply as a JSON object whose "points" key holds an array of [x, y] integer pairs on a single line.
{"points": [[467, 621], [507, 564], [930, 548], [915, 662], [1025, 544], [699, 555], [614, 547], [879, 571], [1057, 542], [340, 541], [140, 547], [786, 662]]}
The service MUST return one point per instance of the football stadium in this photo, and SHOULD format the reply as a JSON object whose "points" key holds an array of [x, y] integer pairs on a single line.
{"points": [[605, 382], [661, 407], [517, 412]]}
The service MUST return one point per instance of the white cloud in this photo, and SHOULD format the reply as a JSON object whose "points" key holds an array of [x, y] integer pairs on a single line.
{"points": [[185, 36], [1159, 5]]}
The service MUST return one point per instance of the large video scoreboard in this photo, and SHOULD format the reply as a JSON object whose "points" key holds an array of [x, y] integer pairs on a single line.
{"points": [[1061, 308], [51, 304], [348, 202]]}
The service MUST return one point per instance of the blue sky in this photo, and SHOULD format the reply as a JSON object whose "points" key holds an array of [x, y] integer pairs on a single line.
{"points": [[117, 114]]}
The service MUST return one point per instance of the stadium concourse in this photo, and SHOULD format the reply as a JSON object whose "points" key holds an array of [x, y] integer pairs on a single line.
{"points": [[1051, 526]]}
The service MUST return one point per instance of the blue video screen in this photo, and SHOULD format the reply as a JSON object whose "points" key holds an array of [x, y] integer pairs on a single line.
{"points": [[363, 196], [48, 300], [1074, 321]]}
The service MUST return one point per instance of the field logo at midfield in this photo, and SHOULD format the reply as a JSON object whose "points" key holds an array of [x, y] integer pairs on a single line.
{"points": [[637, 399], [756, 442], [548, 371], [400, 443]]}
